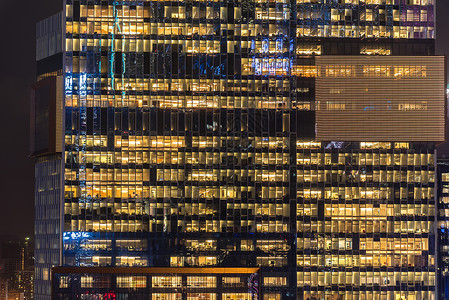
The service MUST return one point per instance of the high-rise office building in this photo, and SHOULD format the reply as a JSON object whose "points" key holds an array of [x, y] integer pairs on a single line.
{"points": [[443, 226], [443, 218], [46, 148], [249, 149]]}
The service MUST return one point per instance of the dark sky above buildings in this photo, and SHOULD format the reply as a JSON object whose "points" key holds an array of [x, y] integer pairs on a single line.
{"points": [[17, 73]]}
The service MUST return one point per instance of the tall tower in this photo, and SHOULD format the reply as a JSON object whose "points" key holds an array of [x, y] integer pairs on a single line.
{"points": [[246, 149], [46, 130]]}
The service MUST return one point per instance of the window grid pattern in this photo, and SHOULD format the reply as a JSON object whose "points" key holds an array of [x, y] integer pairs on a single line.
{"points": [[163, 287], [197, 119]]}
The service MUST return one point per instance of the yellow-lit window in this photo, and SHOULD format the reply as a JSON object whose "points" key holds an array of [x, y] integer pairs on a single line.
{"points": [[166, 281], [201, 281], [202, 296], [131, 281], [166, 296], [275, 281]]}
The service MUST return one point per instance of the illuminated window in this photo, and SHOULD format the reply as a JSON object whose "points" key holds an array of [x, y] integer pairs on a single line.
{"points": [[95, 281], [131, 261], [332, 105], [201, 281], [233, 282], [166, 281], [272, 296], [412, 106], [375, 50], [308, 145], [201, 296], [275, 281], [201, 260], [401, 145], [64, 282], [374, 145], [176, 261], [131, 281], [166, 296], [237, 296]]}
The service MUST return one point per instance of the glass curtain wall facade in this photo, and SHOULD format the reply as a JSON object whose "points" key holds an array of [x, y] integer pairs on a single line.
{"points": [[46, 132], [443, 235], [157, 283], [48, 218], [190, 142]]}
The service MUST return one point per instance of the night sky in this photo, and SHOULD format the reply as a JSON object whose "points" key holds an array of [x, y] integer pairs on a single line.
{"points": [[17, 73]]}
